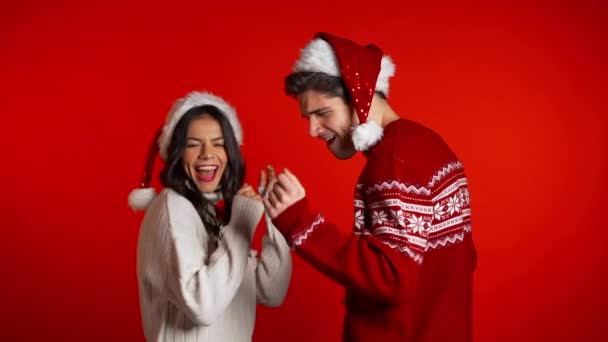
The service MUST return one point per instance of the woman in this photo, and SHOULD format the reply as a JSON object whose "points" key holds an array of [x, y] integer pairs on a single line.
{"points": [[198, 278]]}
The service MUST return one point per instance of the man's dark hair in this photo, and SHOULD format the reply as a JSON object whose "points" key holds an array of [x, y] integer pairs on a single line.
{"points": [[298, 82]]}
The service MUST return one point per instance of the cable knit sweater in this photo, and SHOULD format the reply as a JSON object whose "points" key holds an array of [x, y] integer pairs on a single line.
{"points": [[195, 288]]}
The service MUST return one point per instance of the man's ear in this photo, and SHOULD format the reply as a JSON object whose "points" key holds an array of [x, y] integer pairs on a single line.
{"points": [[353, 115]]}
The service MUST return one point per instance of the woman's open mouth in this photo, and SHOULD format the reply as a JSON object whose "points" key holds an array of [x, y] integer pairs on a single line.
{"points": [[206, 173]]}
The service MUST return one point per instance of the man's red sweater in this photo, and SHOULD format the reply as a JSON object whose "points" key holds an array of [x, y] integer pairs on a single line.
{"points": [[408, 265]]}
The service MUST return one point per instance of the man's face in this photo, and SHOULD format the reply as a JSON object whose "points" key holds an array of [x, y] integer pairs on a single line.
{"points": [[330, 119]]}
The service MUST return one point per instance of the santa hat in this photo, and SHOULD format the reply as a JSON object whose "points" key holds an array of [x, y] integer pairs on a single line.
{"points": [[364, 70], [140, 198]]}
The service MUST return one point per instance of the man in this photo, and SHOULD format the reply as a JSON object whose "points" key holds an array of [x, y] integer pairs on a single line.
{"points": [[408, 265]]}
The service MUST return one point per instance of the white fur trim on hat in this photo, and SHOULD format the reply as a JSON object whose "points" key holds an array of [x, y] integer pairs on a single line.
{"points": [[387, 70], [366, 135], [318, 56], [140, 199], [195, 99]]}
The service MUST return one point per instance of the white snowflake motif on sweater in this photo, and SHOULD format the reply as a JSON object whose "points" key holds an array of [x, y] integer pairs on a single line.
{"points": [[417, 224], [454, 204], [464, 197], [379, 217], [359, 219], [438, 211], [399, 218]]}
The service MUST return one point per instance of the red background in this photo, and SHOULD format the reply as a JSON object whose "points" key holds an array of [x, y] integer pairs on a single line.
{"points": [[518, 90]]}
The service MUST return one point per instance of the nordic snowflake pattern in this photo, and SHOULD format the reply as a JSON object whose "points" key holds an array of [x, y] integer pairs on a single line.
{"points": [[416, 219]]}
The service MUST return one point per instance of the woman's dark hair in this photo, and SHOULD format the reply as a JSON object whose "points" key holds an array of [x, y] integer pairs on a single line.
{"points": [[174, 176], [301, 81]]}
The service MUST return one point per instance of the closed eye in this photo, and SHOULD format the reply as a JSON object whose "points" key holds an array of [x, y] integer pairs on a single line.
{"points": [[321, 112], [317, 114]]}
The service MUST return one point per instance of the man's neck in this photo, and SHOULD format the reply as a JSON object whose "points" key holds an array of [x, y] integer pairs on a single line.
{"points": [[381, 112]]}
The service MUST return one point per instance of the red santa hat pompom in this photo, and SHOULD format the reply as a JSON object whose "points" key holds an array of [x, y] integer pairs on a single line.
{"points": [[140, 198], [364, 69]]}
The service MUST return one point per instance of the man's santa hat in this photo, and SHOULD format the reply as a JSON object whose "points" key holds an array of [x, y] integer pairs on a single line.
{"points": [[364, 70], [140, 198]]}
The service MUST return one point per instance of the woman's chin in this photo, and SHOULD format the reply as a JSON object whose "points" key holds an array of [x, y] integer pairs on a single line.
{"points": [[207, 188]]}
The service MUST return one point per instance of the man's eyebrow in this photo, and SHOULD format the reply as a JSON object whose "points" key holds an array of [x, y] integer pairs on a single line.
{"points": [[316, 111]]}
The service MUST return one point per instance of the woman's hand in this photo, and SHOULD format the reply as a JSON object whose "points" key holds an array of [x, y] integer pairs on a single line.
{"points": [[247, 191], [267, 181]]}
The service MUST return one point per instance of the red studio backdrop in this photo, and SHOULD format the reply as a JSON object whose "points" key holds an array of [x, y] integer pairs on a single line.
{"points": [[517, 88]]}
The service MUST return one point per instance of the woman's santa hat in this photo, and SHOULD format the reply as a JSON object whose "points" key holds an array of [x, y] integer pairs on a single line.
{"points": [[140, 198], [364, 70]]}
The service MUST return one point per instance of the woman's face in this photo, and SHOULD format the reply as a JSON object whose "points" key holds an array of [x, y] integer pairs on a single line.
{"points": [[205, 157]]}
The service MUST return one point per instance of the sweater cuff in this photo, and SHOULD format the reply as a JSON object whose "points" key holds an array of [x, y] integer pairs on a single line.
{"points": [[246, 214], [295, 221]]}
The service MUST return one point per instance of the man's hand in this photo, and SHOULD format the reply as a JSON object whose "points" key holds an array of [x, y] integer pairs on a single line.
{"points": [[285, 192]]}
